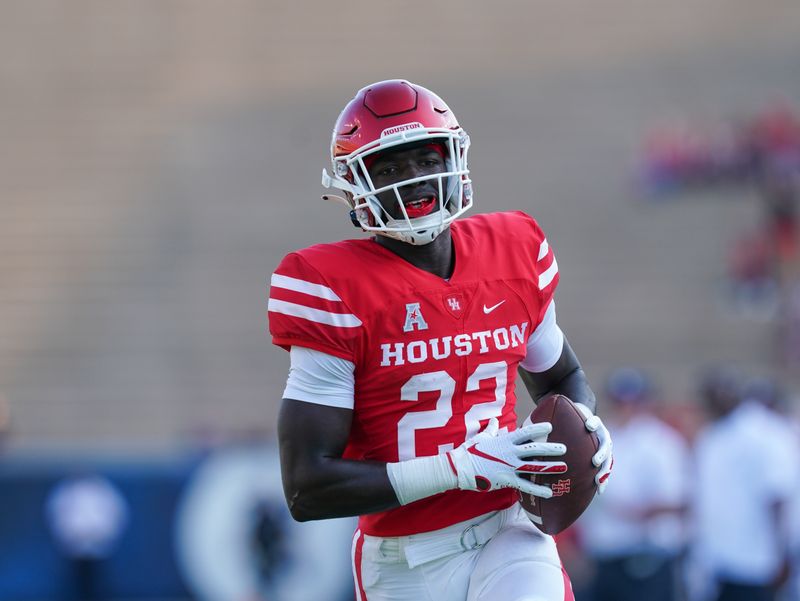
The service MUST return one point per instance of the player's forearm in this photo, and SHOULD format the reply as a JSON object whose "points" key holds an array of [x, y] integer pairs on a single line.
{"points": [[343, 487], [565, 377], [576, 388], [338, 488]]}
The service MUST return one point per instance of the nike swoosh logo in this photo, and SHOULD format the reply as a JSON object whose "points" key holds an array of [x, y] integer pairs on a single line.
{"points": [[543, 469], [488, 310], [479, 453]]}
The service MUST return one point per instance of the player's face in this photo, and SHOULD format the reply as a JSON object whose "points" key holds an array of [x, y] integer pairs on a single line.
{"points": [[404, 163]]}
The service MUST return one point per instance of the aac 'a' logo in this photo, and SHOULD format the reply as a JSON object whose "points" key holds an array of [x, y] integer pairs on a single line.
{"points": [[414, 318]]}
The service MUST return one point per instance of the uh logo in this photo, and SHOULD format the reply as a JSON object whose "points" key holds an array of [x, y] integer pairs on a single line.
{"points": [[454, 303]]}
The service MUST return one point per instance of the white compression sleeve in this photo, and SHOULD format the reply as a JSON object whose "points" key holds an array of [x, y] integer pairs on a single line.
{"points": [[545, 344], [317, 377], [422, 477]]}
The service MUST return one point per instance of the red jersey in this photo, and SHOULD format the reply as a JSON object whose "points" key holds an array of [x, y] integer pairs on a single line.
{"points": [[434, 359]]}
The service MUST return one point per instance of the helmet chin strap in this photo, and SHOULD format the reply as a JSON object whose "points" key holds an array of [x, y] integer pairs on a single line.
{"points": [[424, 229], [413, 239]]}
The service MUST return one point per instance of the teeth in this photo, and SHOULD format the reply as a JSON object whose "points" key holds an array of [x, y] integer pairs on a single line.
{"points": [[417, 203]]}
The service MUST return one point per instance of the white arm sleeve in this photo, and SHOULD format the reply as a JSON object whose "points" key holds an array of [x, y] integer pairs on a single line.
{"points": [[545, 344], [317, 377]]}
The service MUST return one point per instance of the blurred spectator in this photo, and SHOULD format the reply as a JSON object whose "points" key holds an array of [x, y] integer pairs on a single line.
{"points": [[776, 148], [684, 416], [781, 426], [768, 393], [746, 476], [635, 530], [791, 327], [87, 515], [682, 154], [751, 271], [675, 155]]}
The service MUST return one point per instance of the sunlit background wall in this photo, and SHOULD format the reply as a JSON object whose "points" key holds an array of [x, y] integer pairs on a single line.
{"points": [[159, 157]]}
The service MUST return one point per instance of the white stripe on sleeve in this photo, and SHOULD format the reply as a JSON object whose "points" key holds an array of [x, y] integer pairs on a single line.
{"points": [[320, 378], [545, 344], [342, 320], [297, 285], [544, 248], [547, 276]]}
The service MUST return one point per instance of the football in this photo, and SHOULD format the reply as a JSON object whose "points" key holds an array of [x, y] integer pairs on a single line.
{"points": [[574, 490]]}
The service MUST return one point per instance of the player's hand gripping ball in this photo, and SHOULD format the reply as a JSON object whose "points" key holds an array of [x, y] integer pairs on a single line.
{"points": [[494, 459], [575, 489]]}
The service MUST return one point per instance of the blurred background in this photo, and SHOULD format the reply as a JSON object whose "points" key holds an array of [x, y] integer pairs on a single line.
{"points": [[159, 157]]}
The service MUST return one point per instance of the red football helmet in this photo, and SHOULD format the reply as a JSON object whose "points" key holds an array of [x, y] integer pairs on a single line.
{"points": [[385, 115]]}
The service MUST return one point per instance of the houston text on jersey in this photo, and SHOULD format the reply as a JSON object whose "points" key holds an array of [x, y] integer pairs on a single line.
{"points": [[419, 351]]}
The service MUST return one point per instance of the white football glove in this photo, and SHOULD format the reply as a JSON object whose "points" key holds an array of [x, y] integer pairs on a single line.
{"points": [[491, 460], [603, 458]]}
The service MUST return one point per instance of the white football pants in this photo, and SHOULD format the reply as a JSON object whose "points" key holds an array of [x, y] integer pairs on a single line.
{"points": [[499, 556]]}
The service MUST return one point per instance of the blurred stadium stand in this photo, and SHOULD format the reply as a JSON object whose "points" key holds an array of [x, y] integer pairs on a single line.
{"points": [[159, 158]]}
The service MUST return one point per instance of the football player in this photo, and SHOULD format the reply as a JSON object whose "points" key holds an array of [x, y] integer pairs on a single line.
{"points": [[404, 347]]}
